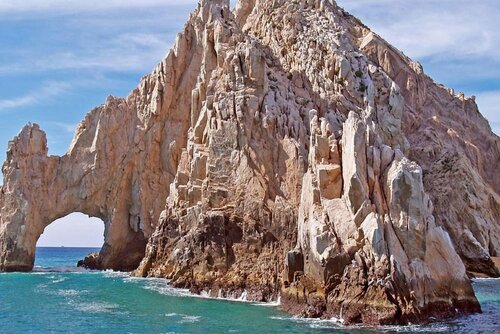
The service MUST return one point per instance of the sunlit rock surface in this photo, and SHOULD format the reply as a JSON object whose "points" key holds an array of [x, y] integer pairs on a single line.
{"points": [[282, 149]]}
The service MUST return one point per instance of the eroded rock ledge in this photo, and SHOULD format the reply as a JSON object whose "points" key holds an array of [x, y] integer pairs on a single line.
{"points": [[281, 149]]}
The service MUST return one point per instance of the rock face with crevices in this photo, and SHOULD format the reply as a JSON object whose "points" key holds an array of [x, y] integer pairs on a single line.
{"points": [[280, 150]]}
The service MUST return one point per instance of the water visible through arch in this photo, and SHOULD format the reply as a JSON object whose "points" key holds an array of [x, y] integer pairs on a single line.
{"points": [[69, 239]]}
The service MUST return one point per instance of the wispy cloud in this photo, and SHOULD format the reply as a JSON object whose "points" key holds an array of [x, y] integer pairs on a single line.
{"points": [[71, 6], [46, 91], [65, 6], [98, 35], [66, 127], [125, 52], [445, 28]]}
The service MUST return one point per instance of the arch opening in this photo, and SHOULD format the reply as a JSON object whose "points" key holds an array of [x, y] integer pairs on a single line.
{"points": [[69, 239]]}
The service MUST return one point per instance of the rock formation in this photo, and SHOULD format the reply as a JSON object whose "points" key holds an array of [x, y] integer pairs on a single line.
{"points": [[282, 149], [456, 149]]}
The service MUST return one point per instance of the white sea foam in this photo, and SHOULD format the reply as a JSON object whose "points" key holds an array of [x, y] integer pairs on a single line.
{"points": [[162, 286], [184, 318], [115, 274], [67, 293], [275, 303], [171, 315], [37, 271], [189, 319], [61, 269], [96, 307], [243, 296], [434, 328], [335, 323], [479, 279], [316, 323], [58, 280], [133, 279]]}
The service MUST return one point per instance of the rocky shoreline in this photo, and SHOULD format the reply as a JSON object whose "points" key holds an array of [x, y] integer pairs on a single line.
{"points": [[303, 299], [475, 274]]}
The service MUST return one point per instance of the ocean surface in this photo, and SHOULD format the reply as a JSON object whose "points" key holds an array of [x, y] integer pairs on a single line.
{"points": [[60, 298]]}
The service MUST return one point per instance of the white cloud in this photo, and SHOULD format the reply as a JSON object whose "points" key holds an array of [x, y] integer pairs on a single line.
{"points": [[71, 6], [58, 7], [125, 52], [444, 28], [47, 91], [106, 35]]}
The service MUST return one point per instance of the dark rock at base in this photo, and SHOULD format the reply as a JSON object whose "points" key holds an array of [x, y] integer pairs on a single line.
{"points": [[91, 261]]}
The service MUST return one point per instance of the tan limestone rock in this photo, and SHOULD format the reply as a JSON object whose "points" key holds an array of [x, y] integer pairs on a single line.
{"points": [[267, 155]]}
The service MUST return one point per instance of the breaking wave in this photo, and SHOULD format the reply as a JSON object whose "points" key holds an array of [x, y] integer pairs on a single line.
{"points": [[161, 286]]}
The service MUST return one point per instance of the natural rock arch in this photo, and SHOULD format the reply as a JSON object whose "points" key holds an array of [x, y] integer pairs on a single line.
{"points": [[119, 166], [41, 189]]}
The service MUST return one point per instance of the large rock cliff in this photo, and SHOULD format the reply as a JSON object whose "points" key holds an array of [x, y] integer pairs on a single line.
{"points": [[282, 149]]}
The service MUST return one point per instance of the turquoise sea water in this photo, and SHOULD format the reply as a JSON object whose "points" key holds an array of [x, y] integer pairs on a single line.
{"points": [[59, 298]]}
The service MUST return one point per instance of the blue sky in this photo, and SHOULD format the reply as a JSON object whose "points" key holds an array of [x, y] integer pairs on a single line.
{"points": [[61, 58]]}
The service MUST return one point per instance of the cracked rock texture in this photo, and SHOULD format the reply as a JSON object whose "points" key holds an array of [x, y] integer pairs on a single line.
{"points": [[282, 149]]}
